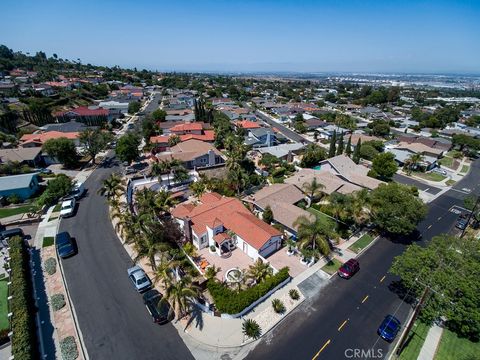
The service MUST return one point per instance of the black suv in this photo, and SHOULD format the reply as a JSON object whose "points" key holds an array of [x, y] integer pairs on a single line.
{"points": [[158, 309]]}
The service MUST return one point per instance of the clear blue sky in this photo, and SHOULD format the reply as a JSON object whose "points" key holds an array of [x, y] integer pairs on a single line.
{"points": [[343, 35]]}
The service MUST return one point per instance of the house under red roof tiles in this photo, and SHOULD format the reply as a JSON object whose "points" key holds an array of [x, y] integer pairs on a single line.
{"points": [[217, 218], [246, 124], [33, 140]]}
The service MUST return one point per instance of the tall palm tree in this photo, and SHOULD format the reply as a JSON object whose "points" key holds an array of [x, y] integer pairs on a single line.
{"points": [[259, 271], [313, 234], [112, 186], [180, 174], [165, 267], [198, 188], [180, 294], [150, 243], [359, 207], [313, 189], [212, 271], [414, 160], [163, 202]]}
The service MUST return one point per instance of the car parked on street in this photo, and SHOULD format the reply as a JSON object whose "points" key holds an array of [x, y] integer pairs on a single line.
{"points": [[158, 308], [78, 190], [64, 245], [389, 328], [139, 278], [68, 208], [461, 224], [348, 269]]}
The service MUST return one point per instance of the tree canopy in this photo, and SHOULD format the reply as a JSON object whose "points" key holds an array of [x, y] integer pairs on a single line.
{"points": [[63, 150], [95, 141], [127, 147], [384, 165]]}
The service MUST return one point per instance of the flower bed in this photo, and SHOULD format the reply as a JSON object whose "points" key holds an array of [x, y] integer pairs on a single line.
{"points": [[232, 302]]}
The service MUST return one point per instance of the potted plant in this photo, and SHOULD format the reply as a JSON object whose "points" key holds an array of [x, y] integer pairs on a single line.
{"points": [[306, 256], [291, 245], [212, 249]]}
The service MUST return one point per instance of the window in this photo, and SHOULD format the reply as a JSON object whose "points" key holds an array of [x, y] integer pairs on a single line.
{"points": [[203, 239]]}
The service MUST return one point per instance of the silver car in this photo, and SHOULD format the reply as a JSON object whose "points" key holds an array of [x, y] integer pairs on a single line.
{"points": [[139, 278]]}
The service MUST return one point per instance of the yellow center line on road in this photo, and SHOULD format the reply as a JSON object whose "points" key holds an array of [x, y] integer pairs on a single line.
{"points": [[383, 278], [323, 347], [341, 326], [364, 299], [429, 226]]}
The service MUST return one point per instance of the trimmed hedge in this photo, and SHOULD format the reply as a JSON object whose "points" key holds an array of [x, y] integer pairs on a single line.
{"points": [[24, 341], [50, 266], [232, 302], [57, 301], [68, 348]]}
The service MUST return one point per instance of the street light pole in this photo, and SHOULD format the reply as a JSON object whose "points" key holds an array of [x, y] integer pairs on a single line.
{"points": [[470, 216]]}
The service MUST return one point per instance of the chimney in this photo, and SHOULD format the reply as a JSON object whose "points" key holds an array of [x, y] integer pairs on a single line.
{"points": [[269, 138], [211, 157], [289, 157], [187, 229]]}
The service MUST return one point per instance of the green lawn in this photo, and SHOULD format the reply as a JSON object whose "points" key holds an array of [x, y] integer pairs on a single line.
{"points": [[3, 304], [361, 243], [324, 219], [450, 182], [48, 241], [454, 153], [452, 347], [415, 341], [465, 169], [57, 207], [432, 176], [14, 211], [332, 266], [446, 161]]}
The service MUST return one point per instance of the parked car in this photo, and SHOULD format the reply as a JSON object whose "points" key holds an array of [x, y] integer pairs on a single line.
{"points": [[64, 245], [68, 208], [389, 328], [130, 170], [139, 278], [7, 234], [348, 269], [158, 309], [440, 171], [78, 190], [461, 224]]}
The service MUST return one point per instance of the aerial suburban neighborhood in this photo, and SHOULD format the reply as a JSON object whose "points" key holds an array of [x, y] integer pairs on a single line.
{"points": [[264, 214]]}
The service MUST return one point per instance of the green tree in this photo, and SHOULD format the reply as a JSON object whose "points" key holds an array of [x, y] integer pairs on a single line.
{"points": [[313, 189], [149, 129], [112, 187], [267, 215], [395, 209], [259, 271], [368, 152], [133, 107], [159, 115], [348, 149], [251, 329], [198, 188], [63, 150], [356, 152], [173, 140], [384, 165], [312, 155], [95, 141], [313, 235], [57, 188], [340, 146], [127, 147], [333, 142], [449, 266], [180, 294]]}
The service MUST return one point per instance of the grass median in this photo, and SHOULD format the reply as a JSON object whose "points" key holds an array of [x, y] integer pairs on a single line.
{"points": [[361, 243]]}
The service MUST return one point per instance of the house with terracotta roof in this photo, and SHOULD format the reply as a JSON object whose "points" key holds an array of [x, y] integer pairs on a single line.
{"points": [[83, 113], [186, 131], [37, 140], [194, 154], [225, 224], [246, 124]]}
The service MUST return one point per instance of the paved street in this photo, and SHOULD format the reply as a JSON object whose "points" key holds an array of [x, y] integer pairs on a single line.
{"points": [[402, 179], [292, 135], [113, 320], [347, 313]]}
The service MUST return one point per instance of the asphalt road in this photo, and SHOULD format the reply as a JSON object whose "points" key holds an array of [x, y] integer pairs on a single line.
{"points": [[292, 135], [402, 179], [346, 313]]}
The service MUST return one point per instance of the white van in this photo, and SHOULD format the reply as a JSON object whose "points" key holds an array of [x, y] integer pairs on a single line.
{"points": [[78, 190]]}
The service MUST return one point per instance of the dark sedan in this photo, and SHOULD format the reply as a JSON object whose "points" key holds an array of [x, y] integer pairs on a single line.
{"points": [[64, 244], [158, 308], [389, 328]]}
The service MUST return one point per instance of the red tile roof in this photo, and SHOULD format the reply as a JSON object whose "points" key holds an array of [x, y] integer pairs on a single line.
{"points": [[234, 216], [246, 124], [42, 137], [84, 111], [208, 136], [187, 127]]}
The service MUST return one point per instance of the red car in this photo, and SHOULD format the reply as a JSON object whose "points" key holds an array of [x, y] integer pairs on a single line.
{"points": [[348, 269]]}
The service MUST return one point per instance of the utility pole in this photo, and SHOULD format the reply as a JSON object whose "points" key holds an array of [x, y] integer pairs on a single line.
{"points": [[470, 216], [418, 308]]}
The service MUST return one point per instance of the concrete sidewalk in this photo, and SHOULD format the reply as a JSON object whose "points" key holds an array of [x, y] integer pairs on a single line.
{"points": [[429, 348]]}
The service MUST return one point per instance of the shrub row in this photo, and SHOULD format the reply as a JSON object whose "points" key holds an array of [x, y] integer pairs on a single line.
{"points": [[24, 342], [232, 302], [68, 348], [57, 301], [50, 266]]}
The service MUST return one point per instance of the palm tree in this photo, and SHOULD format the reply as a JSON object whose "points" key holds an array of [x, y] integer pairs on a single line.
{"points": [[173, 140], [313, 234], [198, 188], [359, 206], [166, 269], [339, 206], [150, 243], [259, 271], [163, 202], [414, 160], [212, 271], [313, 189], [180, 295], [251, 329], [180, 174], [112, 186]]}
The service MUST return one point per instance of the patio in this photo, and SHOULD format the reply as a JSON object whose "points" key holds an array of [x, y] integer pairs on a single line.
{"points": [[238, 259], [281, 259]]}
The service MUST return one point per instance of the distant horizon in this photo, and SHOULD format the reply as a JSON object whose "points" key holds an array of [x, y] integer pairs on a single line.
{"points": [[354, 36]]}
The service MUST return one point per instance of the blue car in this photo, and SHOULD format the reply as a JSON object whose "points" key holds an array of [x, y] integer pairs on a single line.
{"points": [[389, 328], [64, 244]]}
